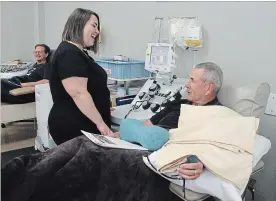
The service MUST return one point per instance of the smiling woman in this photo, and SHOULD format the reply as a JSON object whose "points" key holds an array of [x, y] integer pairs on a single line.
{"points": [[78, 84]]}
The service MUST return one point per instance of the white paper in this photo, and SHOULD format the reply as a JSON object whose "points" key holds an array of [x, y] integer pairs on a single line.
{"points": [[110, 142]]}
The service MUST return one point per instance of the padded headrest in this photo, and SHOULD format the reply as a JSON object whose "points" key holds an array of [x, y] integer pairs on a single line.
{"points": [[51, 55], [247, 100]]}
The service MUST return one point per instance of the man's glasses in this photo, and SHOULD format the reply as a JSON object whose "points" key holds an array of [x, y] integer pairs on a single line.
{"points": [[38, 52]]}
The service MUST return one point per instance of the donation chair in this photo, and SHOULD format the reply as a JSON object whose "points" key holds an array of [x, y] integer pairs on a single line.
{"points": [[248, 100], [20, 112]]}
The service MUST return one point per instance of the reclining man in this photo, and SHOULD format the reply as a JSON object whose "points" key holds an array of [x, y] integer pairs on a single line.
{"points": [[204, 84], [39, 74], [81, 170]]}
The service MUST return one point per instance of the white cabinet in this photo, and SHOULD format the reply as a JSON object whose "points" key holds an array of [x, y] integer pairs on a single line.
{"points": [[44, 103]]}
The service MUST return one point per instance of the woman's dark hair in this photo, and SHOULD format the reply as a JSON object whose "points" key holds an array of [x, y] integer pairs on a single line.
{"points": [[73, 29], [46, 50]]}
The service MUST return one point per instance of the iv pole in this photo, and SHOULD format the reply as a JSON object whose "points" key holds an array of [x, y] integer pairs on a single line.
{"points": [[171, 76]]}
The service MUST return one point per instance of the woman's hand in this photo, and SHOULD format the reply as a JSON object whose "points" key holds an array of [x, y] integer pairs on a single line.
{"points": [[104, 129], [115, 135], [190, 171]]}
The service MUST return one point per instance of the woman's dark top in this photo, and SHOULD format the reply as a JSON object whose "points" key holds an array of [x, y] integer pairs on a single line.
{"points": [[65, 119]]}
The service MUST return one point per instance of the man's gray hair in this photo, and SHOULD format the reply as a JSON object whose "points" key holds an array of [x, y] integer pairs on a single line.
{"points": [[212, 74]]}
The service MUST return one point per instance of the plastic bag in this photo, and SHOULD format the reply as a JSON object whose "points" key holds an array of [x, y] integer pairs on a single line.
{"points": [[186, 32]]}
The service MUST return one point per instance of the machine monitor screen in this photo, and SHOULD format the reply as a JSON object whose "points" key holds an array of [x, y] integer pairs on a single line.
{"points": [[159, 55]]}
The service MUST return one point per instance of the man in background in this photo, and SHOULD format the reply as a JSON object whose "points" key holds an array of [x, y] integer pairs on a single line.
{"points": [[39, 74]]}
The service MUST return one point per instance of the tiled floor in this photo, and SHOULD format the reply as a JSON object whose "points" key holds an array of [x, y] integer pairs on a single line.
{"points": [[17, 136], [17, 145]]}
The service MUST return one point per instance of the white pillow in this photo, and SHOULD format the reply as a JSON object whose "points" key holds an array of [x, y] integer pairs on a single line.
{"points": [[211, 184], [261, 147]]}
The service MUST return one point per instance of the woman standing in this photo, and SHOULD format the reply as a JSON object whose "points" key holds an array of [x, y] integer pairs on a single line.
{"points": [[78, 84]]}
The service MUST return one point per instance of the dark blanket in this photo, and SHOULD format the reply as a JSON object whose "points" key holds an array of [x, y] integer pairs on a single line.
{"points": [[6, 97], [80, 170]]}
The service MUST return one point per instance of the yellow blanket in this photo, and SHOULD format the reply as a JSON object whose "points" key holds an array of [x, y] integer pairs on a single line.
{"points": [[221, 138]]}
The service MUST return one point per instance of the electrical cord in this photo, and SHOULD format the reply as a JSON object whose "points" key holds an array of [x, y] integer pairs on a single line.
{"points": [[135, 107], [128, 113]]}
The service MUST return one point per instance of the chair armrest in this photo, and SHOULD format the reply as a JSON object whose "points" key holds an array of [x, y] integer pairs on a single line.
{"points": [[22, 91], [189, 195], [194, 196]]}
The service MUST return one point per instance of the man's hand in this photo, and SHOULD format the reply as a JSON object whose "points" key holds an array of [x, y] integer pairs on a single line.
{"points": [[148, 123], [32, 84], [25, 84], [190, 171]]}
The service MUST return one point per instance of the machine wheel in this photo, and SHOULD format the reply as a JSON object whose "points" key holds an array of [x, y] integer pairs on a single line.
{"points": [[3, 125]]}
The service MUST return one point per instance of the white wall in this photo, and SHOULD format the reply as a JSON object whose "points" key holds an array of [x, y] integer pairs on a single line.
{"points": [[239, 36], [39, 22], [17, 31]]}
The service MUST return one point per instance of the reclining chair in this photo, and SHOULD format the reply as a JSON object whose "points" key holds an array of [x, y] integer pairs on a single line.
{"points": [[248, 101], [19, 112]]}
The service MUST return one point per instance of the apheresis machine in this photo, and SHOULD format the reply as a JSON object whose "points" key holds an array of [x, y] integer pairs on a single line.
{"points": [[160, 60], [160, 89]]}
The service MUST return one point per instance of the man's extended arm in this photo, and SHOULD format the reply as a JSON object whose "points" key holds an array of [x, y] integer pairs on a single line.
{"points": [[31, 84], [155, 119], [158, 116]]}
